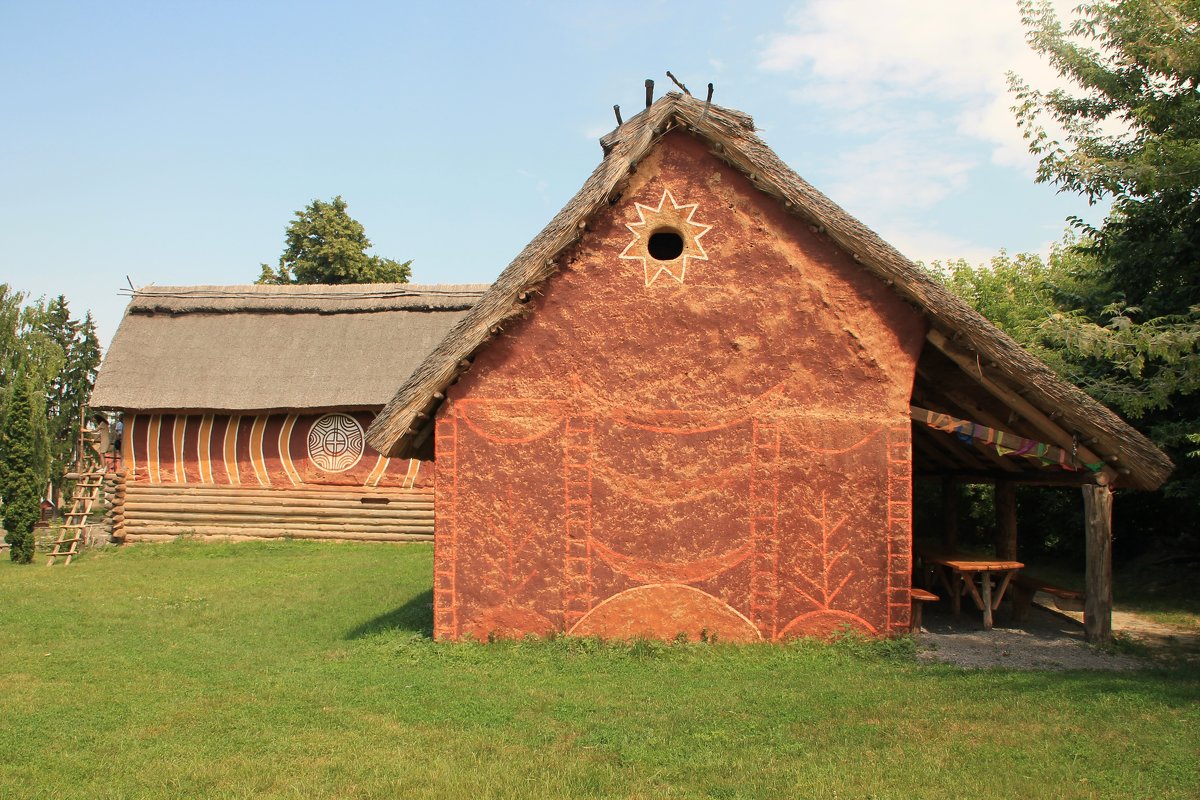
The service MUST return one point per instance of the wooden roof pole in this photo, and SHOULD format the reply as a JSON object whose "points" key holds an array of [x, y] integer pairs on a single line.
{"points": [[1002, 463], [1097, 518], [1054, 432]]}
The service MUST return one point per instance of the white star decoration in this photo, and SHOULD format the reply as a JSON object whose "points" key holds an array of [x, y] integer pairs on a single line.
{"points": [[675, 218]]}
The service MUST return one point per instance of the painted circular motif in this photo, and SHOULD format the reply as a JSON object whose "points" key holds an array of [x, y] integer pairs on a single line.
{"points": [[335, 442]]}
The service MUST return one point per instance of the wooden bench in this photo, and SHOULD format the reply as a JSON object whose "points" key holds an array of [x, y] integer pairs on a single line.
{"points": [[1024, 587], [919, 598]]}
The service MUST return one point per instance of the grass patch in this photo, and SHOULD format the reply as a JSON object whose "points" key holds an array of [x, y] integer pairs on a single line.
{"points": [[295, 669]]}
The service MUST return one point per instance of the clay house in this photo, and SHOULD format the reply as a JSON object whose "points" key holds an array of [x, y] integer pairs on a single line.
{"points": [[243, 409], [697, 401]]}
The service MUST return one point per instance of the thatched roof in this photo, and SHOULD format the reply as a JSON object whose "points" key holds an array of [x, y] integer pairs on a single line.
{"points": [[260, 348], [1049, 407]]}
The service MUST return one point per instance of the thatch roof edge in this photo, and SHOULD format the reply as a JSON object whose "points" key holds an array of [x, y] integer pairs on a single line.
{"points": [[262, 348], [409, 414]]}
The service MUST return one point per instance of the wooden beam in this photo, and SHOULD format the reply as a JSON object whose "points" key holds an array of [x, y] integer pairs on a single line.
{"points": [[1097, 608], [1004, 463], [1032, 414], [1006, 520], [1046, 478]]}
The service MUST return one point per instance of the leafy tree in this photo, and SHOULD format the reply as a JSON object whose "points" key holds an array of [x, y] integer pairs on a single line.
{"points": [[10, 318], [59, 357], [1129, 131], [327, 245], [20, 483], [1016, 293]]}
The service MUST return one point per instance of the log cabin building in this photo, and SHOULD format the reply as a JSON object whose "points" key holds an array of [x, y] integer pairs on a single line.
{"points": [[244, 407], [696, 403]]}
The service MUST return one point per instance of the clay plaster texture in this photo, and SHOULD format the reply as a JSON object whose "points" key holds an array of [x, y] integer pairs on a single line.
{"points": [[721, 451]]}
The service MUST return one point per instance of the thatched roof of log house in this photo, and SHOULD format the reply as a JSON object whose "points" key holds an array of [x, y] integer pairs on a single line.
{"points": [[968, 368], [268, 348]]}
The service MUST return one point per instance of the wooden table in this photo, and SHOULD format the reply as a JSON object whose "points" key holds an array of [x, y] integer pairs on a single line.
{"points": [[957, 571]]}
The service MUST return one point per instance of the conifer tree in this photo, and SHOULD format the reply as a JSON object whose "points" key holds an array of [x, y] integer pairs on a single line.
{"points": [[20, 483]]}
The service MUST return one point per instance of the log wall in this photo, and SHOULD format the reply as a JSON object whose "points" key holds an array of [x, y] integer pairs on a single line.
{"points": [[161, 512]]}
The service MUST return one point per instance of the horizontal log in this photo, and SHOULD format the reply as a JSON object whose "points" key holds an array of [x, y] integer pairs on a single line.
{"points": [[182, 525], [250, 533], [144, 501], [184, 507], [222, 509], [211, 488], [267, 519]]}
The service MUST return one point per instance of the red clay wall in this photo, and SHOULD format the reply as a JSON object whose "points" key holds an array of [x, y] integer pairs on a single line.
{"points": [[263, 450], [721, 449]]}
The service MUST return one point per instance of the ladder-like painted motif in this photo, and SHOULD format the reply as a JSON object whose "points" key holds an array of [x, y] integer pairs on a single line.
{"points": [[764, 527], [577, 491], [445, 600], [899, 530]]}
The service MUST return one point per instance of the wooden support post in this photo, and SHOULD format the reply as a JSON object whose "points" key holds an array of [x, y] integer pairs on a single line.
{"points": [[986, 585], [950, 496], [1006, 521], [1097, 610]]}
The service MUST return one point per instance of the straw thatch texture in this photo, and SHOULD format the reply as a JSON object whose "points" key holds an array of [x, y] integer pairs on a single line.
{"points": [[265, 348], [731, 137]]}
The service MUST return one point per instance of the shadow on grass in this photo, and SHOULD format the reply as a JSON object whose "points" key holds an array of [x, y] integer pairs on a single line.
{"points": [[415, 616]]}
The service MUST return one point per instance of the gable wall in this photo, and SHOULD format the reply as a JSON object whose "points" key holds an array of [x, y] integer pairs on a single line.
{"points": [[644, 455]]}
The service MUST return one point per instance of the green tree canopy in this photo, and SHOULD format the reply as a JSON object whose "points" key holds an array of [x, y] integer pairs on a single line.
{"points": [[1127, 323], [20, 481], [324, 244], [1130, 132], [59, 356]]}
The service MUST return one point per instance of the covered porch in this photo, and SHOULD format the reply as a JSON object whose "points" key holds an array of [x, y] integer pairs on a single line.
{"points": [[975, 423]]}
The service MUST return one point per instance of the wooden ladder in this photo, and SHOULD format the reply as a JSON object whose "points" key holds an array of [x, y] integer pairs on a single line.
{"points": [[83, 499]]}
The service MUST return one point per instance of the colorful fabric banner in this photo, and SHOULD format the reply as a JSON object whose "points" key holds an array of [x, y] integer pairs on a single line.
{"points": [[1006, 444]]}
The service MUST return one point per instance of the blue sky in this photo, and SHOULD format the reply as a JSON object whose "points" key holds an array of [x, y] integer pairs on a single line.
{"points": [[171, 142]]}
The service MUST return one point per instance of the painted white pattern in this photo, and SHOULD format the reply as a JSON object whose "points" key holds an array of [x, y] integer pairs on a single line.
{"points": [[335, 442], [231, 437], [655, 219], [285, 450], [204, 448]]}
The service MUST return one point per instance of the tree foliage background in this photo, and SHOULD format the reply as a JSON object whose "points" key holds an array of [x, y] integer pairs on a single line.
{"points": [[19, 474], [48, 364], [1116, 308], [324, 244]]}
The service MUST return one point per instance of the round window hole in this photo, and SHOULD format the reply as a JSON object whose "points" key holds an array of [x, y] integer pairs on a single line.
{"points": [[665, 245]]}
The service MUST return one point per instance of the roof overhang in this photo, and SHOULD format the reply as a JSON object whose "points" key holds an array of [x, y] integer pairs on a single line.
{"points": [[1000, 368]]}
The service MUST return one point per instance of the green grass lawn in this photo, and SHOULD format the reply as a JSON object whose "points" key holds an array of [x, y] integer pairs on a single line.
{"points": [[294, 669]]}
